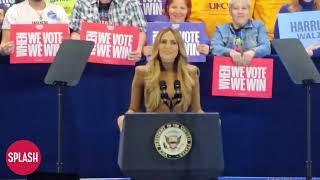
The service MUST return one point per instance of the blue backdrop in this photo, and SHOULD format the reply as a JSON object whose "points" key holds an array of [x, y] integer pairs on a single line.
{"points": [[262, 137]]}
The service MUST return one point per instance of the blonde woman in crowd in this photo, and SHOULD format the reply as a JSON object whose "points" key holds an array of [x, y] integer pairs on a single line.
{"points": [[242, 39]]}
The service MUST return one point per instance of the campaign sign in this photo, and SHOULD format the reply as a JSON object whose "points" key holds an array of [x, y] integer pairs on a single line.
{"points": [[193, 34], [153, 10], [302, 25], [37, 43], [254, 81], [112, 43]]}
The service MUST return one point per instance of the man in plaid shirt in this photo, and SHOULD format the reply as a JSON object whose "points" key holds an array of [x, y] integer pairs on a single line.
{"points": [[113, 12]]}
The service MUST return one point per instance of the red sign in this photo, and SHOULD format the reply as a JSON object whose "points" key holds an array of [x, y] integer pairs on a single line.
{"points": [[37, 43], [112, 43], [254, 81], [23, 157]]}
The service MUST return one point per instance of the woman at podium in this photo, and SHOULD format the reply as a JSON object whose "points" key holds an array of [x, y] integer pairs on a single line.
{"points": [[167, 83]]}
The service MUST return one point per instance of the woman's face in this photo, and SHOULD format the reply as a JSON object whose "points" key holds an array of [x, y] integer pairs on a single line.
{"points": [[168, 48], [239, 12], [177, 11]]}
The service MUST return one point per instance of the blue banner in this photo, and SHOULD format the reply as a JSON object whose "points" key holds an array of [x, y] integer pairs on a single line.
{"points": [[192, 33], [302, 25], [153, 10]]}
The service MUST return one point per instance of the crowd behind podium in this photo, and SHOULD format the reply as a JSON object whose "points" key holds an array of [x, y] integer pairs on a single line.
{"points": [[312, 4], [125, 12]]}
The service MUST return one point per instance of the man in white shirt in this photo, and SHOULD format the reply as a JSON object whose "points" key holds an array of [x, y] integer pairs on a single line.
{"points": [[29, 12]]}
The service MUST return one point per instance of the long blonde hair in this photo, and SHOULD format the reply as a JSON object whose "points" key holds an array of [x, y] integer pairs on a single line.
{"points": [[154, 68], [296, 7]]}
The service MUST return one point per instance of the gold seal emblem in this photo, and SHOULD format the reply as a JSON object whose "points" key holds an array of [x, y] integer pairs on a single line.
{"points": [[173, 141]]}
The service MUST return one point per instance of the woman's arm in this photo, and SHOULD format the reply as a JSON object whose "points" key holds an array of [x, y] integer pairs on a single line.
{"points": [[263, 48], [137, 89], [7, 46], [217, 44], [195, 97]]}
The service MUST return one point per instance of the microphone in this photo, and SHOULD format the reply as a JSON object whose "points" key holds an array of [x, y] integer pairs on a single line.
{"points": [[163, 93], [177, 94]]}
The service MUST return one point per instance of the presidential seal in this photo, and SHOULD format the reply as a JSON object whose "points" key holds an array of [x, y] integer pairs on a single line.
{"points": [[173, 141]]}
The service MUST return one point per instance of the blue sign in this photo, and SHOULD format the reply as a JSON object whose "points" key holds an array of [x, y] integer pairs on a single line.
{"points": [[153, 10], [192, 33], [302, 25]]}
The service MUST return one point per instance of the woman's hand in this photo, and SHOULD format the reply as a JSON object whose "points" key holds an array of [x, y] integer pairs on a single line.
{"points": [[120, 122], [7, 48], [134, 55], [121, 118], [236, 57], [203, 49], [311, 48], [247, 57], [147, 50]]}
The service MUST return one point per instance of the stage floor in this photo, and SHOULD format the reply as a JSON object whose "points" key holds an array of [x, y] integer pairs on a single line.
{"points": [[220, 178]]}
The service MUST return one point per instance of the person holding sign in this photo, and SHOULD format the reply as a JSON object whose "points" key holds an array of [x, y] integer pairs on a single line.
{"points": [[29, 12], [113, 12], [242, 39], [167, 83], [179, 11], [299, 6]]}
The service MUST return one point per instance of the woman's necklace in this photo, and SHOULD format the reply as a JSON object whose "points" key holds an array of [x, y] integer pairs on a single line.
{"points": [[39, 9], [40, 13]]}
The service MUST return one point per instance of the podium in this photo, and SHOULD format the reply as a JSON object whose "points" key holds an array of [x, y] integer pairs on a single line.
{"points": [[171, 146]]}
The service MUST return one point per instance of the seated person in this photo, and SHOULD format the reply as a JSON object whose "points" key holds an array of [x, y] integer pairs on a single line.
{"points": [[242, 39], [298, 6], [29, 12], [168, 63], [179, 11]]}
